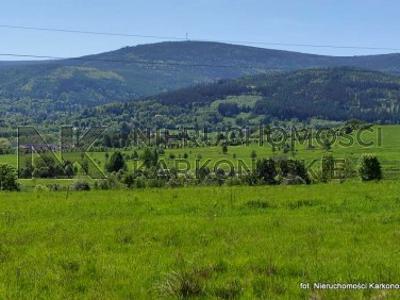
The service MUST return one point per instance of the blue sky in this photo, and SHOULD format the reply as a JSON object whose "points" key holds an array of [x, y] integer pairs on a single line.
{"points": [[348, 23]]}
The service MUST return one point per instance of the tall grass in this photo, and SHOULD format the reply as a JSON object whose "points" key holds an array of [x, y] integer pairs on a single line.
{"points": [[207, 242]]}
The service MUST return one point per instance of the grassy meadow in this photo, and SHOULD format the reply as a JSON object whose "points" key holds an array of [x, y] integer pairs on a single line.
{"points": [[381, 140], [207, 242]]}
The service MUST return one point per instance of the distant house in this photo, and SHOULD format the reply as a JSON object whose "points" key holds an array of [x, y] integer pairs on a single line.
{"points": [[39, 147]]}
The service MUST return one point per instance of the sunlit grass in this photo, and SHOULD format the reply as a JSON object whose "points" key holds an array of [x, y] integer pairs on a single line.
{"points": [[249, 242]]}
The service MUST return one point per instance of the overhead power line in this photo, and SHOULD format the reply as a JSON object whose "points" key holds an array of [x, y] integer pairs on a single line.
{"points": [[29, 56], [91, 32], [266, 43]]}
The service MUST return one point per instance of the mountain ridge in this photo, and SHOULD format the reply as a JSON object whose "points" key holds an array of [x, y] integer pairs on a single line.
{"points": [[335, 94], [151, 69]]}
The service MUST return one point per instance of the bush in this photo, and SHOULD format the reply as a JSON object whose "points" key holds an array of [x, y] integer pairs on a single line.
{"points": [[348, 169], [220, 176], [293, 172], [81, 186], [174, 182], [300, 170], [249, 179], [155, 183], [40, 188], [140, 182], [111, 182], [266, 171], [54, 187], [370, 168], [202, 173], [8, 178]]}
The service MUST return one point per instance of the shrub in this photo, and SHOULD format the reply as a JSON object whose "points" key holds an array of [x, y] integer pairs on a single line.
{"points": [[8, 178], [370, 168], [128, 180], [40, 188], [301, 171], [293, 172], [81, 186], [173, 182], [140, 182], [155, 183], [249, 179], [220, 176], [54, 187], [266, 171], [348, 169], [202, 173]]}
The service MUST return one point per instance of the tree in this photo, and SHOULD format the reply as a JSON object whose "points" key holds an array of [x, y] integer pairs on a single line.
{"points": [[326, 144], [294, 168], [327, 167], [253, 155], [299, 169], [116, 162], [228, 109], [150, 158], [220, 175], [370, 168], [69, 169], [5, 146], [224, 148], [8, 178], [135, 155], [46, 166]]}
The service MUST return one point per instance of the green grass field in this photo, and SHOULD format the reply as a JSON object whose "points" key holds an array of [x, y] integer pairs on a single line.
{"points": [[208, 242], [384, 139]]}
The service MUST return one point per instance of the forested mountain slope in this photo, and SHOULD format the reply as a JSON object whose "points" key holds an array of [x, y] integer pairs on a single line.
{"points": [[328, 93], [134, 72]]}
